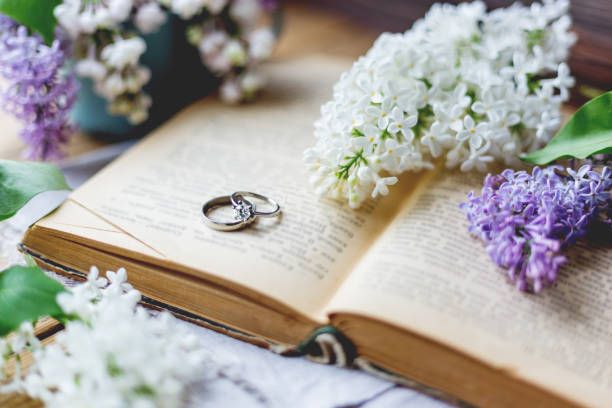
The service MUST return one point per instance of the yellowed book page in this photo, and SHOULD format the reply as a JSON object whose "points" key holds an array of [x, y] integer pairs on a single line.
{"points": [[71, 218], [427, 274], [155, 192]]}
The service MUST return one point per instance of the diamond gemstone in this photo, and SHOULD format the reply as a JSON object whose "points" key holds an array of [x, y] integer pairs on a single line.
{"points": [[243, 211]]}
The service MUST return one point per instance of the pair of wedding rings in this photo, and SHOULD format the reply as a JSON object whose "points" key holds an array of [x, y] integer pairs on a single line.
{"points": [[245, 210]]}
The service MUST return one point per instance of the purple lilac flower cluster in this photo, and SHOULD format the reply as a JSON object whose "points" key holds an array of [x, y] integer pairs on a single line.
{"points": [[39, 93], [526, 220]]}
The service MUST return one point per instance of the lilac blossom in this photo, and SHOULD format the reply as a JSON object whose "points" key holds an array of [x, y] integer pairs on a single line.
{"points": [[39, 91], [527, 220]]}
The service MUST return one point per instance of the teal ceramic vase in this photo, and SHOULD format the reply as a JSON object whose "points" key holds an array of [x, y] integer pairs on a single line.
{"points": [[177, 78]]}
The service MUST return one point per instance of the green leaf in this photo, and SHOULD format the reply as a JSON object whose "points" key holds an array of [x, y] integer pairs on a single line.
{"points": [[27, 294], [20, 181], [37, 15], [588, 132]]}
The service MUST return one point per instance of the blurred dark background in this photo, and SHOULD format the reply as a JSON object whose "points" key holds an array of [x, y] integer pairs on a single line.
{"points": [[591, 56]]}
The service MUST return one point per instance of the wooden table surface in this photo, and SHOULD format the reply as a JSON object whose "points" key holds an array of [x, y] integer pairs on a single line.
{"points": [[307, 31]]}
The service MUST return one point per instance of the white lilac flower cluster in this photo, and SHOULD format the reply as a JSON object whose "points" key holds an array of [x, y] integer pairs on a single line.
{"points": [[226, 32], [113, 354], [464, 85]]}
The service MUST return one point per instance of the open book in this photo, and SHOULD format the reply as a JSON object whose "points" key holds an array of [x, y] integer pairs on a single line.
{"points": [[400, 278]]}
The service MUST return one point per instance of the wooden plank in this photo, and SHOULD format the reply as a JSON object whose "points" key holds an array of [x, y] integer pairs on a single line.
{"points": [[15, 400]]}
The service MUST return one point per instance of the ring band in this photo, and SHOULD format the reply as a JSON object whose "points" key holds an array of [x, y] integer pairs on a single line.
{"points": [[245, 214], [236, 199]]}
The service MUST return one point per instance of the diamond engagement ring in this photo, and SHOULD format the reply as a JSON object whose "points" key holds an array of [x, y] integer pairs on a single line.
{"points": [[240, 197], [245, 210]]}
